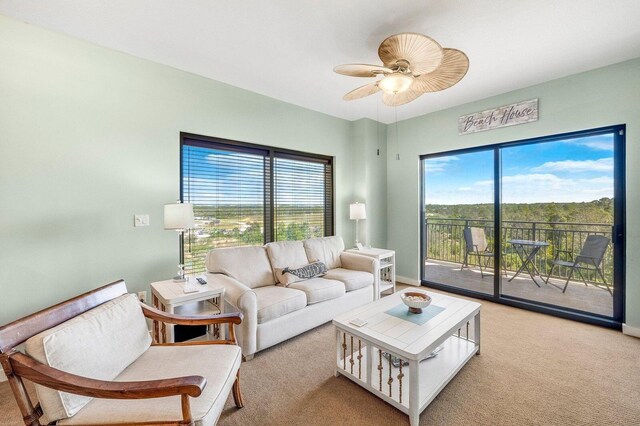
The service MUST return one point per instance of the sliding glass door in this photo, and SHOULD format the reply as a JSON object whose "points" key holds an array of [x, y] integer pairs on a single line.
{"points": [[558, 205], [458, 216]]}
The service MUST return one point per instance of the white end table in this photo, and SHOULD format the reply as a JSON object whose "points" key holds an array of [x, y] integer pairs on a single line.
{"points": [[386, 271], [168, 296]]}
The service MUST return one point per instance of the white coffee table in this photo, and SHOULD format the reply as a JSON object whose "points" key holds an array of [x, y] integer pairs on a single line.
{"points": [[409, 386]]}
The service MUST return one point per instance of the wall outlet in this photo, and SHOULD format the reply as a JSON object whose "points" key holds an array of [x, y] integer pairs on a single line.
{"points": [[142, 296], [141, 220]]}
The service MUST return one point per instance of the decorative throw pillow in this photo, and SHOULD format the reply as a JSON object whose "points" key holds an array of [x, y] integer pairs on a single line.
{"points": [[290, 275]]}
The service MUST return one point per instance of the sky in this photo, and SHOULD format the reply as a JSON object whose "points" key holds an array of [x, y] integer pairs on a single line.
{"points": [[570, 170]]}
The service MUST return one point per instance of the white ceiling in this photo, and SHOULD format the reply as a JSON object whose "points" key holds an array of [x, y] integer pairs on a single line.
{"points": [[286, 49]]}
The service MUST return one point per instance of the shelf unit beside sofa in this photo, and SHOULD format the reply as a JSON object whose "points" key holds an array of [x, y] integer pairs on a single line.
{"points": [[386, 270]]}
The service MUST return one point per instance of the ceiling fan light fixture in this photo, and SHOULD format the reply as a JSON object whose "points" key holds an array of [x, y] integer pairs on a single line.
{"points": [[395, 83]]}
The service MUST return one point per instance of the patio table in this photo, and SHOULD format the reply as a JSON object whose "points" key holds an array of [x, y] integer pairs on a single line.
{"points": [[527, 251]]}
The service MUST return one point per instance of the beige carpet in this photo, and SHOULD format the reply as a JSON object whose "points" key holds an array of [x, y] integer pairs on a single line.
{"points": [[534, 370]]}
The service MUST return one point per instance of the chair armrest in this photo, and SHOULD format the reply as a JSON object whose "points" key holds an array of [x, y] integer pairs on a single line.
{"points": [[358, 262], [157, 315], [26, 367]]}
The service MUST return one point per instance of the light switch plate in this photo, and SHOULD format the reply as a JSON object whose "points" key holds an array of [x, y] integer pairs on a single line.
{"points": [[141, 220]]}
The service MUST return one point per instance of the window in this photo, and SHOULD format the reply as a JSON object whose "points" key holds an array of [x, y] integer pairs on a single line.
{"points": [[247, 194]]}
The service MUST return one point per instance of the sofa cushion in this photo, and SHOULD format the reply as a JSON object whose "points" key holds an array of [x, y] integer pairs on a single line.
{"points": [[216, 363], [274, 302], [99, 344], [286, 254], [248, 264], [352, 280], [326, 250], [319, 289]]}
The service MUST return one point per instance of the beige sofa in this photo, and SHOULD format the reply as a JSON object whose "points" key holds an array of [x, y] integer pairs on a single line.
{"points": [[274, 313]]}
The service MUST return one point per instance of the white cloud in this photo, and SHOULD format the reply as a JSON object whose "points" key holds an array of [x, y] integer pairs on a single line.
{"points": [[528, 188], [438, 164], [597, 143], [600, 165]]}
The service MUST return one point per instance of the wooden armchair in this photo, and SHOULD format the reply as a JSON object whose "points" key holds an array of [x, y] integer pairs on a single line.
{"points": [[19, 366]]}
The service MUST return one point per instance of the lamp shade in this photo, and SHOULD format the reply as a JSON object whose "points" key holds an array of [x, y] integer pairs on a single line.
{"points": [[357, 211], [178, 216]]}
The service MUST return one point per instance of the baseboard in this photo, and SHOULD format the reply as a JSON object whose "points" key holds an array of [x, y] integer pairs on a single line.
{"points": [[630, 331], [405, 280]]}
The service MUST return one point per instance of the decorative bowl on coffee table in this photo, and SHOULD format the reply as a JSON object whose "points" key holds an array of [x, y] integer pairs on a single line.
{"points": [[416, 301]]}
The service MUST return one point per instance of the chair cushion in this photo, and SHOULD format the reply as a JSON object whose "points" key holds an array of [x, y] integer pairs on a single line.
{"points": [[98, 344], [326, 250], [216, 363], [274, 302], [286, 254], [248, 264], [352, 280], [319, 289]]}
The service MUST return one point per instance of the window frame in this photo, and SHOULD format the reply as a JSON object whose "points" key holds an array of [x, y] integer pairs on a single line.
{"points": [[270, 153]]}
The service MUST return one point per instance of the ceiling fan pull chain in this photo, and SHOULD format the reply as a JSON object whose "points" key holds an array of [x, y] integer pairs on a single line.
{"points": [[397, 140]]}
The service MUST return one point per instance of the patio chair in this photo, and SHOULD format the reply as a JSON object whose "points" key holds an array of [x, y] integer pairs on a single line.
{"points": [[591, 255], [476, 245]]}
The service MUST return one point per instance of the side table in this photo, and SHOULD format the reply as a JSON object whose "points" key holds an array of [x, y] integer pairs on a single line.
{"points": [[168, 296], [387, 268]]}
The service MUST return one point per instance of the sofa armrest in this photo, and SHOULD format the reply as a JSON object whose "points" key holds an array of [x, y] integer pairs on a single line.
{"points": [[245, 300], [358, 262]]}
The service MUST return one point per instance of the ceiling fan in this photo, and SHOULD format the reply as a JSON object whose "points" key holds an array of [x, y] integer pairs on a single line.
{"points": [[413, 64]]}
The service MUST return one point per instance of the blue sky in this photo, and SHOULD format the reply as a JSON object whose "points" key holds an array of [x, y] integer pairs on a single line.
{"points": [[570, 170]]}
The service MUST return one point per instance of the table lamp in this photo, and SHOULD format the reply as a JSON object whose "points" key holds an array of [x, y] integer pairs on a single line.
{"points": [[179, 217], [357, 212]]}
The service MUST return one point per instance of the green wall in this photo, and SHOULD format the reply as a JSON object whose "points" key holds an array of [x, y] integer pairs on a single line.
{"points": [[370, 180], [90, 136], [597, 98]]}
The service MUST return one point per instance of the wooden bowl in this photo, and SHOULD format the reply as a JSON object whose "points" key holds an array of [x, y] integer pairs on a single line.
{"points": [[416, 306]]}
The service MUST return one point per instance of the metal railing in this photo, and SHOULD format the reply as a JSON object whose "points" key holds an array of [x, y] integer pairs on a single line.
{"points": [[445, 241]]}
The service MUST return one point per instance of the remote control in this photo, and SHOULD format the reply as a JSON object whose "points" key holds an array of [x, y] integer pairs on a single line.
{"points": [[201, 280]]}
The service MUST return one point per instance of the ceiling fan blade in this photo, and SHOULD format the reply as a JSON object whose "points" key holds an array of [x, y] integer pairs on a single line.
{"points": [[361, 92], [453, 68], [361, 70], [400, 98], [423, 53]]}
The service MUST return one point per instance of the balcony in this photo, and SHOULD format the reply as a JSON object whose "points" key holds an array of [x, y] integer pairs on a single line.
{"points": [[445, 247]]}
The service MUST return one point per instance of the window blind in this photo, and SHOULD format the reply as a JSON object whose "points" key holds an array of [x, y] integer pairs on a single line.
{"points": [[299, 199], [227, 190], [246, 194]]}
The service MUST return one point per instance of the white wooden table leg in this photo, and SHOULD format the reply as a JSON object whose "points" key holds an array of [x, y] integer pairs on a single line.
{"points": [[414, 397], [369, 364], [336, 359], [170, 327], [222, 329], [476, 331]]}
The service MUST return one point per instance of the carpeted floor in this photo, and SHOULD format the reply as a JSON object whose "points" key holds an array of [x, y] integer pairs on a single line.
{"points": [[534, 370]]}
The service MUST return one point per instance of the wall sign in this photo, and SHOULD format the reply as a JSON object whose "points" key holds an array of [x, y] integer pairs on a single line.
{"points": [[508, 115]]}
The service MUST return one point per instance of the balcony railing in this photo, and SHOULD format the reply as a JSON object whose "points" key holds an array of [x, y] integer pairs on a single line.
{"points": [[445, 241]]}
